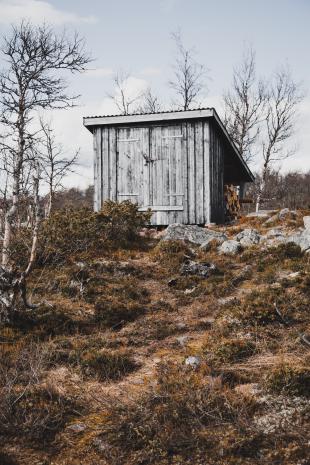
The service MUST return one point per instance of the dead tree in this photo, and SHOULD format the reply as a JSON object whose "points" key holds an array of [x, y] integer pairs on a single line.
{"points": [[36, 59], [244, 106], [188, 81], [125, 100], [284, 95], [55, 166]]}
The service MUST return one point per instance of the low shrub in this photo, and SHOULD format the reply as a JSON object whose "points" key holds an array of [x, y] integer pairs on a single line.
{"points": [[289, 379], [260, 308], [69, 232], [230, 350], [177, 418], [107, 365], [27, 407], [114, 313], [171, 253], [123, 221]]}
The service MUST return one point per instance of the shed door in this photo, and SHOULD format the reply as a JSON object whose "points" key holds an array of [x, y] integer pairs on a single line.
{"points": [[167, 168], [132, 169]]}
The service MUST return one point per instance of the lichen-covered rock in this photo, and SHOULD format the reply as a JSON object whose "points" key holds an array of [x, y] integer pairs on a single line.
{"points": [[248, 237], [193, 361], [302, 239], [272, 238], [281, 215], [192, 233], [191, 267], [230, 248]]}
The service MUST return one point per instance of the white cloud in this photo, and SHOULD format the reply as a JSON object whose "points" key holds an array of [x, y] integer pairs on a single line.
{"points": [[151, 71], [99, 72], [38, 11]]}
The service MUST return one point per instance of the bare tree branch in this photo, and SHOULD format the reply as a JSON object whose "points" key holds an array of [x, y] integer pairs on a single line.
{"points": [[125, 101], [188, 81], [284, 96], [36, 59], [55, 166], [244, 106]]}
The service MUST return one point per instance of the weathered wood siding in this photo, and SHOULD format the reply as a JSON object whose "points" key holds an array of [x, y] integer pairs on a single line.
{"points": [[164, 167]]}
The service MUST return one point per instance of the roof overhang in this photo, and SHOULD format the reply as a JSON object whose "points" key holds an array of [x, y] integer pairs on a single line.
{"points": [[90, 122]]}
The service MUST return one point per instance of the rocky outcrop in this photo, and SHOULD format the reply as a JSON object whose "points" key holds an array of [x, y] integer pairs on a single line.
{"points": [[192, 233], [248, 237], [230, 248]]}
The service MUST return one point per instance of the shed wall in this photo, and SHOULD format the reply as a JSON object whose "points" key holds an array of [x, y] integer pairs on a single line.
{"points": [[165, 167]]}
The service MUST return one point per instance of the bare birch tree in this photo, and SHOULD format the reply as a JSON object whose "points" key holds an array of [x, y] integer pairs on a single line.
{"points": [[36, 59], [150, 102], [125, 100], [188, 81], [55, 166], [244, 106], [284, 95]]}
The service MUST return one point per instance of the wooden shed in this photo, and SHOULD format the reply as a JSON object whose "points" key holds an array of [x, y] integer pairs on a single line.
{"points": [[175, 163]]}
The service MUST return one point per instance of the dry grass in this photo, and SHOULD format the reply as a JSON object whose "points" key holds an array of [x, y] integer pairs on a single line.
{"points": [[112, 314]]}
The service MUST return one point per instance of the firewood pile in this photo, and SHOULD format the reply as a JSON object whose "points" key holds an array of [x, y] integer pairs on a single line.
{"points": [[232, 203]]}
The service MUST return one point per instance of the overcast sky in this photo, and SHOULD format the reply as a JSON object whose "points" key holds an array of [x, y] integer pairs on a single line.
{"points": [[135, 35]]}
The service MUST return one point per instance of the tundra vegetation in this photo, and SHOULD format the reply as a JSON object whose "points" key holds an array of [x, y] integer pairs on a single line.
{"points": [[138, 350], [130, 359]]}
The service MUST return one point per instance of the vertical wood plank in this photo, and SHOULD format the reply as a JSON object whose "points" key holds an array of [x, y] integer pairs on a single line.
{"points": [[96, 155], [206, 181]]}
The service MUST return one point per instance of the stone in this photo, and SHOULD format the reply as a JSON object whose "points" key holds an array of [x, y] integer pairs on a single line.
{"points": [[306, 220], [260, 214], [272, 233], [301, 238], [77, 427], [191, 233], [189, 291], [272, 219], [182, 340], [248, 237], [193, 361], [191, 267], [230, 247], [284, 213]]}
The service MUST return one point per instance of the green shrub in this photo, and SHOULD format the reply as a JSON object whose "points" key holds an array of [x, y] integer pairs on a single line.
{"points": [[230, 350], [69, 232], [123, 221], [289, 379]]}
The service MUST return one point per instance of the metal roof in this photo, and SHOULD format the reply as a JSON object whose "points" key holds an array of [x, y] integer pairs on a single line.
{"points": [[90, 121]]}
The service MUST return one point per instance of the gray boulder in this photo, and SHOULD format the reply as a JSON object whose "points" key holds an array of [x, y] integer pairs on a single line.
{"points": [[248, 237], [272, 238], [192, 233], [307, 223], [302, 239], [281, 215], [230, 248]]}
